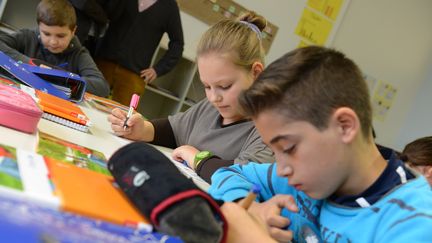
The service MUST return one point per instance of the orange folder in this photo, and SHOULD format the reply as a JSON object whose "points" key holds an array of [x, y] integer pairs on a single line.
{"points": [[92, 194], [61, 108]]}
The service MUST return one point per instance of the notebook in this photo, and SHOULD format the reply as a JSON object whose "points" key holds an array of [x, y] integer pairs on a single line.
{"points": [[71, 153], [63, 112], [92, 194], [50, 183]]}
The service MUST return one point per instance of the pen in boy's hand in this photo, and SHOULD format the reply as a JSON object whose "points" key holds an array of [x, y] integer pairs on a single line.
{"points": [[133, 105], [247, 201]]}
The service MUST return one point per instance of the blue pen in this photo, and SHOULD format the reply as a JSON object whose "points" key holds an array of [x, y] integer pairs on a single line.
{"points": [[185, 163]]}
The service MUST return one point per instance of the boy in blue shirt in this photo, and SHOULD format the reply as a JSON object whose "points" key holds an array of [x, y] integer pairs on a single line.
{"points": [[312, 108]]}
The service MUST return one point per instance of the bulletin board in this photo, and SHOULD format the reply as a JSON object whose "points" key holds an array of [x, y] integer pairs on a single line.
{"points": [[212, 11]]}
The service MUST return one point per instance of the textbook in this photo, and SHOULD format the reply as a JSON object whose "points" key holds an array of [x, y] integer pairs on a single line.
{"points": [[71, 153], [24, 221], [103, 104], [63, 112], [50, 183], [27, 179]]}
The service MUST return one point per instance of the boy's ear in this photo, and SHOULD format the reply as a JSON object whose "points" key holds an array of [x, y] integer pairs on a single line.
{"points": [[257, 68], [347, 123], [74, 30]]}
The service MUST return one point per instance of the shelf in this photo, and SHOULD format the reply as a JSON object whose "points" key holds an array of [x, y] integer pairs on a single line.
{"points": [[173, 92], [163, 92]]}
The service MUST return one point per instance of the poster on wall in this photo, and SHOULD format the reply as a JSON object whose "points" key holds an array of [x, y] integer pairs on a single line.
{"points": [[382, 100]]}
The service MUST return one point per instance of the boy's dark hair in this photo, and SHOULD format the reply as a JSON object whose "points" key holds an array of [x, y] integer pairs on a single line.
{"points": [[56, 13], [418, 152], [309, 84]]}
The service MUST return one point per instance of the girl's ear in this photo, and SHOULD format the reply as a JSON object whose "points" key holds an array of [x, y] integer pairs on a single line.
{"points": [[347, 123], [428, 172], [257, 68]]}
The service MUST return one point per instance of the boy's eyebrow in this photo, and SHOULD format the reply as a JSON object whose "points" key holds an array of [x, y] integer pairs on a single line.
{"points": [[279, 137]]}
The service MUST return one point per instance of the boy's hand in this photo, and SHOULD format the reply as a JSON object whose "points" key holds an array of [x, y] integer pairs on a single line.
{"points": [[185, 153], [45, 66], [136, 124], [270, 213], [243, 227]]}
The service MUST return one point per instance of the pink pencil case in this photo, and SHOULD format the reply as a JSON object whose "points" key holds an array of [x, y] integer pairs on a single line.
{"points": [[18, 110]]}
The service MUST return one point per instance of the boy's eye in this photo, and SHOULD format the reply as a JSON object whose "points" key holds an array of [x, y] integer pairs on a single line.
{"points": [[290, 150], [206, 87]]}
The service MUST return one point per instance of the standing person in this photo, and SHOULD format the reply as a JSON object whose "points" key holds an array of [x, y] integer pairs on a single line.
{"points": [[212, 133], [312, 108], [93, 17], [126, 50], [418, 155], [55, 43], [89, 13]]}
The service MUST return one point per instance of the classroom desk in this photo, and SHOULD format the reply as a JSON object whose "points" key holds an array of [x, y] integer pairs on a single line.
{"points": [[100, 138]]}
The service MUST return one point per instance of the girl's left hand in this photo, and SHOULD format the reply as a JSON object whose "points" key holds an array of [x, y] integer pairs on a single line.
{"points": [[185, 153]]}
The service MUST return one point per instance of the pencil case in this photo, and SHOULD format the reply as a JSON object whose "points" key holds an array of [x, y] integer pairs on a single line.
{"points": [[18, 110]]}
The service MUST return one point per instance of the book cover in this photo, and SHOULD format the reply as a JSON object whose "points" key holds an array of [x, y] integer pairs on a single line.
{"points": [[92, 194], [67, 152], [24, 221], [63, 112], [27, 179], [103, 104]]}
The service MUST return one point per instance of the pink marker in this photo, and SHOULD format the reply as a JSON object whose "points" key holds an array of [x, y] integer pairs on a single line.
{"points": [[133, 105]]}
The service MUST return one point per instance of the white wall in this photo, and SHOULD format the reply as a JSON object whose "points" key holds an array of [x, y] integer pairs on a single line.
{"points": [[392, 41], [418, 122]]}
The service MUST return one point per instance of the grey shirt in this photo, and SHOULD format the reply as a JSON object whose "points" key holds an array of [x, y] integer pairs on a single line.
{"points": [[200, 126], [26, 44]]}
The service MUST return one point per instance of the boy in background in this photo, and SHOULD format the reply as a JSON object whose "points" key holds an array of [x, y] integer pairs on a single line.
{"points": [[312, 108], [54, 43]]}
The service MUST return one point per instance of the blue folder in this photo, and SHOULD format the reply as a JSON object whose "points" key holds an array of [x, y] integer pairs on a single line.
{"points": [[75, 85], [23, 75]]}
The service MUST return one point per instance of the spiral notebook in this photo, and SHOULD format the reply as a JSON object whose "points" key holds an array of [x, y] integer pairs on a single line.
{"points": [[63, 112]]}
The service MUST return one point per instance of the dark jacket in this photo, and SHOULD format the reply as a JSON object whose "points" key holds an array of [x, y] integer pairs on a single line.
{"points": [[132, 39]]}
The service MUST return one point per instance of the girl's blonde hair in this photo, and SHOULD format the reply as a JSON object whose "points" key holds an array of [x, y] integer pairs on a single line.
{"points": [[238, 39]]}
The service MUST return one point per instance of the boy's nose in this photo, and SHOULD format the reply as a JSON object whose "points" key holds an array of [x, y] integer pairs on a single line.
{"points": [[53, 41], [284, 170]]}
